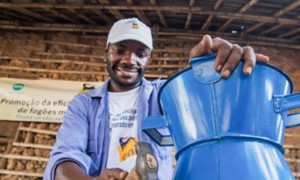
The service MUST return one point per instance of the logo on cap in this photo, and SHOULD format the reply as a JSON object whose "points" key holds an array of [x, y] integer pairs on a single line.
{"points": [[135, 25]]}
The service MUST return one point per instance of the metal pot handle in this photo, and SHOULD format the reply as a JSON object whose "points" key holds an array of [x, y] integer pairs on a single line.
{"points": [[293, 120], [285, 103], [151, 126]]}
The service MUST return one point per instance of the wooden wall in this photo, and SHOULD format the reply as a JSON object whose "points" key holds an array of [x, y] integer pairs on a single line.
{"points": [[80, 58]]}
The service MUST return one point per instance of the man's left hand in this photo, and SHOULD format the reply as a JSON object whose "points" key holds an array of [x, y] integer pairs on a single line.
{"points": [[228, 55]]}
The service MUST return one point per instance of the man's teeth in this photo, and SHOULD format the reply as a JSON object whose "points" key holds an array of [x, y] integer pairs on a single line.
{"points": [[133, 69]]}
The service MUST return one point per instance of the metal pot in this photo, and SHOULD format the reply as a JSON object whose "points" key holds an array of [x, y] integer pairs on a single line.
{"points": [[226, 128]]}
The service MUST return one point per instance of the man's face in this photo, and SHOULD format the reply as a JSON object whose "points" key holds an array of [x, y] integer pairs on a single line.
{"points": [[126, 64]]}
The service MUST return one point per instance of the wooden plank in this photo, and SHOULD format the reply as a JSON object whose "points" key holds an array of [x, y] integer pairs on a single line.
{"points": [[81, 15], [103, 16], [60, 61], [276, 15], [29, 136], [2, 160], [22, 157], [289, 146], [61, 15], [31, 145], [35, 130], [296, 174], [292, 135], [18, 75], [292, 160], [69, 54], [20, 173], [90, 63], [91, 73], [33, 14]]}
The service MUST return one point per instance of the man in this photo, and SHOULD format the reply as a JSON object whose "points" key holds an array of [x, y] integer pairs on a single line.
{"points": [[100, 127]]}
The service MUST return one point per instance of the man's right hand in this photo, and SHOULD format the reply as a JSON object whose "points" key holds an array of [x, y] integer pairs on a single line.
{"points": [[132, 175], [71, 171], [112, 174]]}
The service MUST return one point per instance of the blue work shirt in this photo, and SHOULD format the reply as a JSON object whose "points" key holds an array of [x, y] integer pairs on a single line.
{"points": [[84, 137]]}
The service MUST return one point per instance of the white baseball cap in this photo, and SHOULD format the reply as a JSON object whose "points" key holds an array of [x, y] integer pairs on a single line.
{"points": [[130, 29]]}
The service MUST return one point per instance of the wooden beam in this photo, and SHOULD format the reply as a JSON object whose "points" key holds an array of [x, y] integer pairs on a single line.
{"points": [[271, 29], [296, 174], [292, 135], [294, 31], [160, 14], [255, 26], [242, 10], [4, 16], [61, 61], [14, 15], [291, 146], [5, 140], [40, 131], [116, 13], [20, 173], [189, 16], [61, 15], [207, 23], [276, 15], [180, 9], [73, 44], [287, 8], [33, 14], [210, 17], [104, 1], [225, 25], [218, 5], [22, 157], [73, 72], [71, 61], [18, 75], [52, 27], [103, 16], [249, 39], [295, 37], [31, 145], [68, 54], [143, 17], [81, 15], [162, 19], [188, 21], [200, 11], [129, 1]]}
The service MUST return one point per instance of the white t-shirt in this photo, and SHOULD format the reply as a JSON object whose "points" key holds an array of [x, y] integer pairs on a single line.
{"points": [[123, 129]]}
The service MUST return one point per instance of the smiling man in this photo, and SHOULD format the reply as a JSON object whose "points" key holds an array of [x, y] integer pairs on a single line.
{"points": [[126, 64], [100, 128], [129, 45]]}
